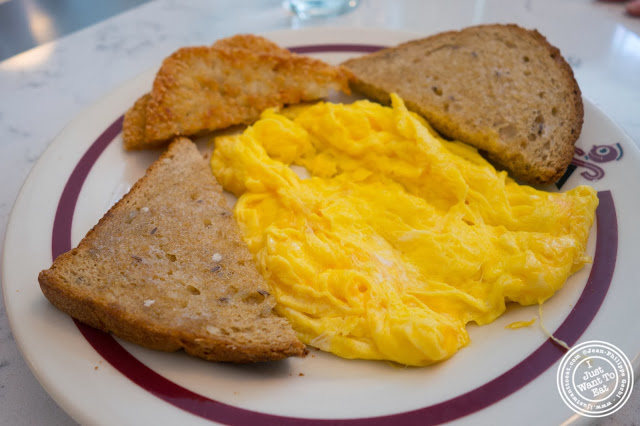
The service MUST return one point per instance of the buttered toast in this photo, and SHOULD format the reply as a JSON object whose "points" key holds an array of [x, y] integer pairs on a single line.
{"points": [[205, 88], [166, 268], [501, 88]]}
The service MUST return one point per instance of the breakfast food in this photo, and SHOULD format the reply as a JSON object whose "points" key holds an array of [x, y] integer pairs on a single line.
{"points": [[200, 89], [500, 88], [396, 242], [167, 268], [399, 238]]}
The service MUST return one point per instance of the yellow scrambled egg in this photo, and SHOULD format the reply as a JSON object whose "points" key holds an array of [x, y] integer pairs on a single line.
{"points": [[399, 238]]}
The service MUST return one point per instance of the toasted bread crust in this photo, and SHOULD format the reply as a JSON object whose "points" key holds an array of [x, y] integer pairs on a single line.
{"points": [[199, 89], [501, 88], [135, 120], [150, 278]]}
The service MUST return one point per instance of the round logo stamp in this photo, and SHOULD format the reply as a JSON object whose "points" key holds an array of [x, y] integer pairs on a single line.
{"points": [[595, 378]]}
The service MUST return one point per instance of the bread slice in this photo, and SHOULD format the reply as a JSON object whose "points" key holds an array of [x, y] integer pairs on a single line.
{"points": [[501, 88], [200, 89], [166, 268]]}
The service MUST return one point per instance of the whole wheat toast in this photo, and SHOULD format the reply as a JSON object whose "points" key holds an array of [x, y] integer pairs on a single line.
{"points": [[166, 268], [199, 89], [501, 88]]}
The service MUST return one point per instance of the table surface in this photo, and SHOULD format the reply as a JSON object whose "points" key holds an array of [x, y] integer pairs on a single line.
{"points": [[44, 88]]}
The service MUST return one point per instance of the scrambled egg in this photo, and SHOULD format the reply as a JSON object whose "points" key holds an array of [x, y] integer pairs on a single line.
{"points": [[398, 238]]}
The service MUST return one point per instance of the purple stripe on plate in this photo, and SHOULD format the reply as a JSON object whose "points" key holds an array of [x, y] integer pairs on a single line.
{"points": [[604, 264], [495, 390], [320, 48]]}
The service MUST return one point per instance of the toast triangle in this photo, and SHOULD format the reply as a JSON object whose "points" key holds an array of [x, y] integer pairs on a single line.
{"points": [[166, 268]]}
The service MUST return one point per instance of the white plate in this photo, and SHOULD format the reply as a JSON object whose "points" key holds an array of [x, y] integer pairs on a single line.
{"points": [[503, 376]]}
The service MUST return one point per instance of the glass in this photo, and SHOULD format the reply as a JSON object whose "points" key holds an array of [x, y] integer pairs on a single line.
{"points": [[305, 9]]}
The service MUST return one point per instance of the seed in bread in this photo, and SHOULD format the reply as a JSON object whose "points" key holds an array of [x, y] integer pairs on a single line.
{"points": [[200, 89], [166, 267], [501, 88]]}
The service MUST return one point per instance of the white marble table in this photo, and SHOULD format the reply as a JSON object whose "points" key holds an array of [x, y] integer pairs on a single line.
{"points": [[42, 89]]}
